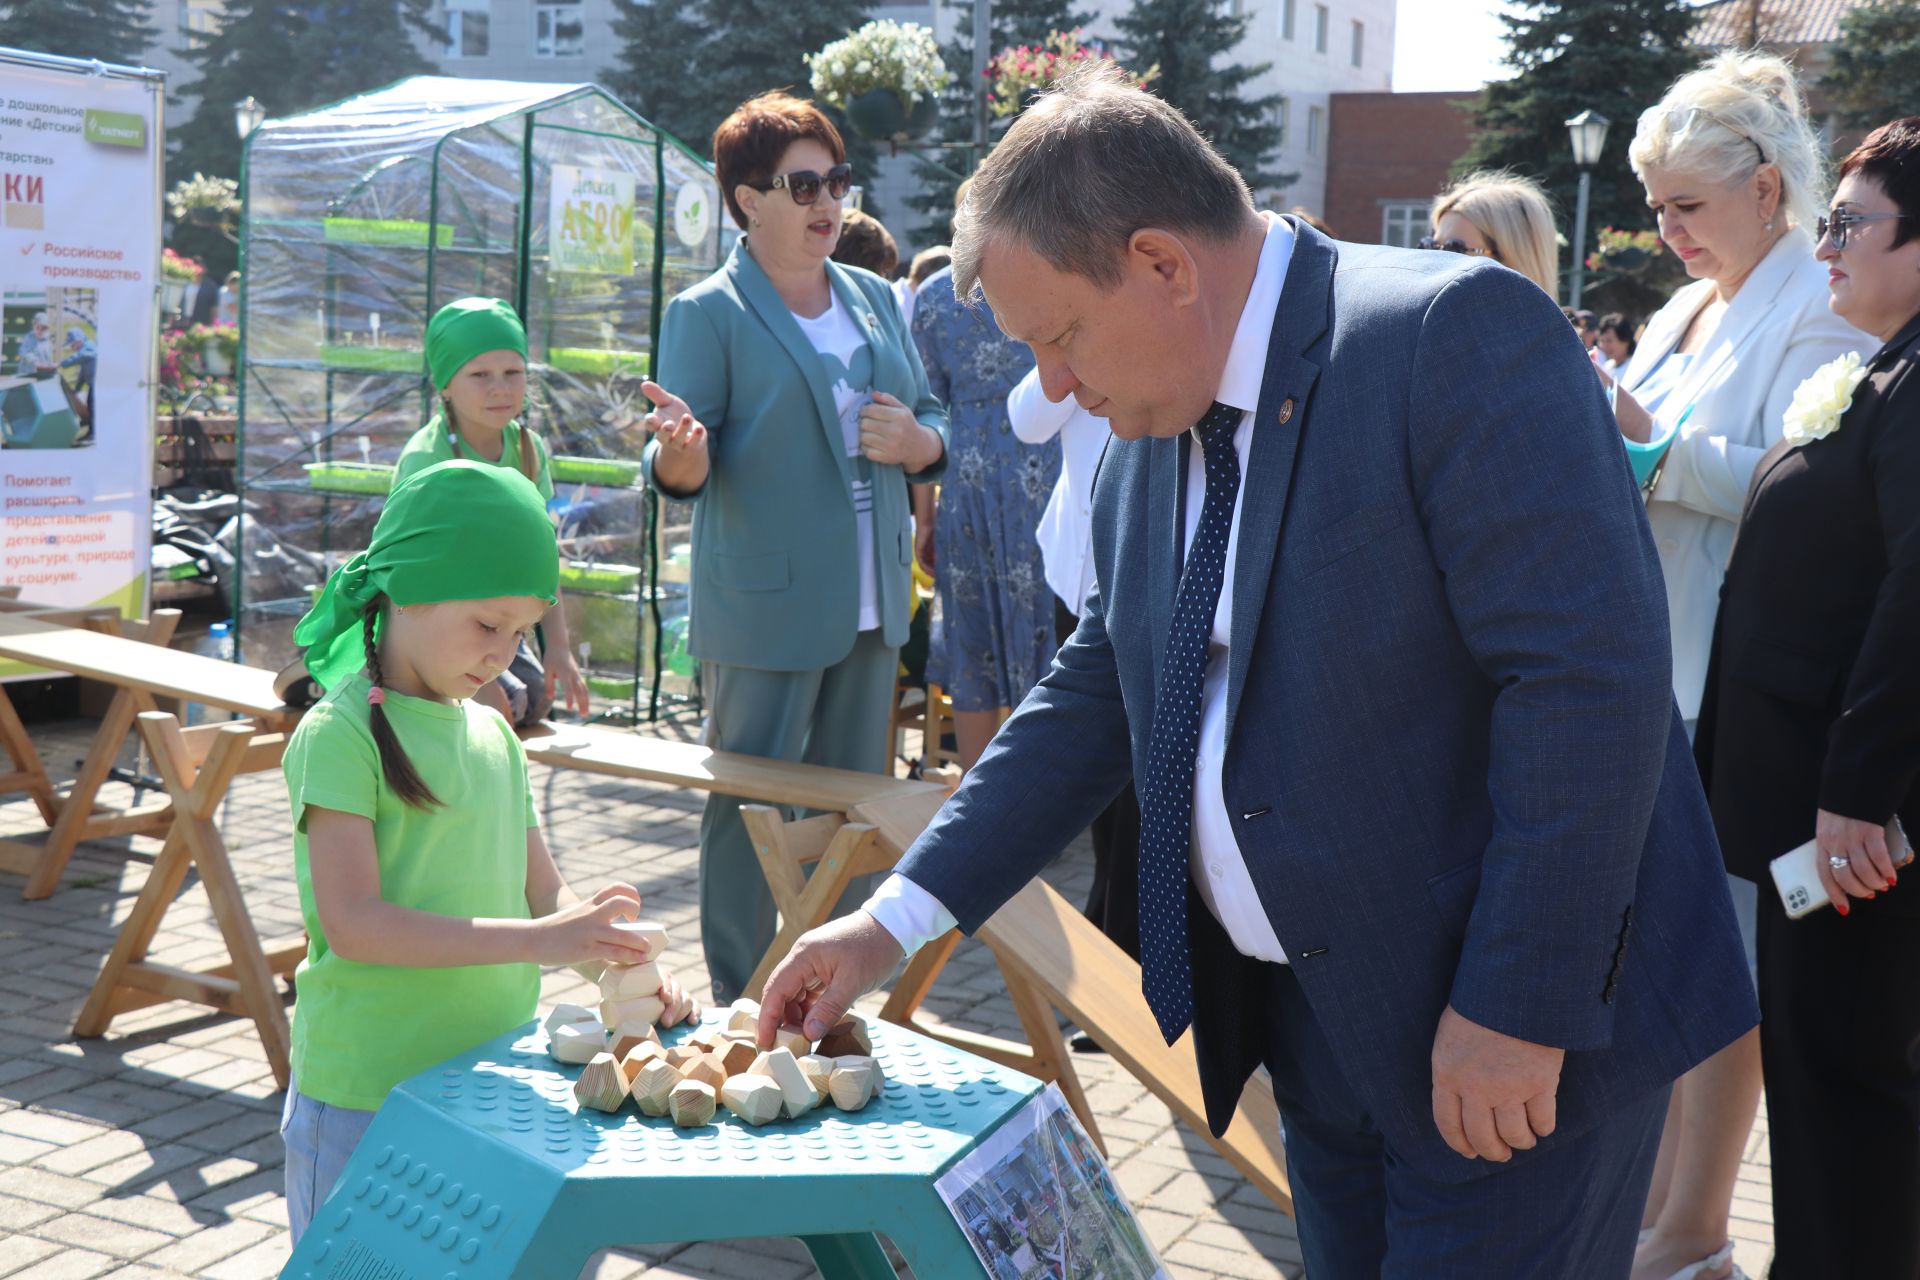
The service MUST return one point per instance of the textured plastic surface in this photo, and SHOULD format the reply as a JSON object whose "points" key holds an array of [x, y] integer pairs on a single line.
{"points": [[487, 1167]]}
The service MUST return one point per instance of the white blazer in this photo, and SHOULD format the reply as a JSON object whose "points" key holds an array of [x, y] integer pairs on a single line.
{"points": [[1065, 531], [1775, 332]]}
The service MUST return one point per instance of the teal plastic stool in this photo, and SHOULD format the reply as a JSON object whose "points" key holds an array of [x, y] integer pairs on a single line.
{"points": [[486, 1167]]}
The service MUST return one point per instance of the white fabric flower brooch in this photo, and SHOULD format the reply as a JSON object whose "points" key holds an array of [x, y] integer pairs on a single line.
{"points": [[1822, 400]]}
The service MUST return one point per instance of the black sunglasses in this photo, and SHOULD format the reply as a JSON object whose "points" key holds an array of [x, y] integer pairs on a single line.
{"points": [[1453, 246], [804, 184], [1843, 219]]}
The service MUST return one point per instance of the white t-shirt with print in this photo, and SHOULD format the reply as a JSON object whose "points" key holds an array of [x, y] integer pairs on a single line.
{"points": [[848, 362]]}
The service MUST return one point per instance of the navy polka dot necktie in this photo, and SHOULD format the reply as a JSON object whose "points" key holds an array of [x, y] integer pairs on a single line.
{"points": [[1166, 801]]}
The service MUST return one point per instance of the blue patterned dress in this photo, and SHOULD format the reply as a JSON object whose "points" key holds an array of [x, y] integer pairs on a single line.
{"points": [[993, 614]]}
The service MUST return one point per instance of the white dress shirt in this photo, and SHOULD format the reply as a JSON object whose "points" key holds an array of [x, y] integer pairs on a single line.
{"points": [[915, 917], [1065, 530]]}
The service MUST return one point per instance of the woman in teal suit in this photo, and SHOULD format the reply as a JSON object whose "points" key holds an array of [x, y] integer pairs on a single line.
{"points": [[799, 413]]}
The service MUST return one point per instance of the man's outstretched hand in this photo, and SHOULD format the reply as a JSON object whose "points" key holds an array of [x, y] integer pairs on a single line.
{"points": [[1492, 1094], [827, 970]]}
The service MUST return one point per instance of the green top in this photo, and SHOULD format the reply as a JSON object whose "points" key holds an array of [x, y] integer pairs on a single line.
{"points": [[433, 443], [360, 1029], [423, 553]]}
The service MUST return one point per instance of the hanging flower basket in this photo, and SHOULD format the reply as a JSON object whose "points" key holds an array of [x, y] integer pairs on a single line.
{"points": [[886, 76], [879, 114], [1016, 76]]}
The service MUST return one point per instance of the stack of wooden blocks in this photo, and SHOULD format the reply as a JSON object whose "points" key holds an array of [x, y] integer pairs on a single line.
{"points": [[621, 1057]]}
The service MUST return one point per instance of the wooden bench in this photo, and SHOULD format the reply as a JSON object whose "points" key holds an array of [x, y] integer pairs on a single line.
{"points": [[1051, 958], [134, 660]]}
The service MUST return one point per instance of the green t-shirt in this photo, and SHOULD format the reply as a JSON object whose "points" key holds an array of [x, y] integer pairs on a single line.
{"points": [[360, 1029], [431, 444]]}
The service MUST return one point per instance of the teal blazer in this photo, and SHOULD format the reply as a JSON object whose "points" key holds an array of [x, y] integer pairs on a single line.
{"points": [[776, 579]]}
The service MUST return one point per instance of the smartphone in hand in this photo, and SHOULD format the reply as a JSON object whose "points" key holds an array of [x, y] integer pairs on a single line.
{"points": [[1796, 873]]}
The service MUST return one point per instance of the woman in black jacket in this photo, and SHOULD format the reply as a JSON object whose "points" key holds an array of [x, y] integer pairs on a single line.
{"points": [[1811, 730]]}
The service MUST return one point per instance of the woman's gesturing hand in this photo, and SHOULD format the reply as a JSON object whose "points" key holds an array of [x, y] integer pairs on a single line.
{"points": [[889, 434]]}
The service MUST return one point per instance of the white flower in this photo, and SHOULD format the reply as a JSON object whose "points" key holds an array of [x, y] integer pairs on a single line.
{"points": [[1822, 400]]}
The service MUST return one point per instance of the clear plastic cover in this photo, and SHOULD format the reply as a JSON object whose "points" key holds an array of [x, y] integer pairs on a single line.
{"points": [[362, 219]]}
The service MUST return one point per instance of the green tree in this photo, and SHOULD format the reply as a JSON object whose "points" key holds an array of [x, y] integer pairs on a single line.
{"points": [[351, 46], [1614, 56], [1875, 76], [685, 64], [1010, 23], [110, 30], [1193, 42]]}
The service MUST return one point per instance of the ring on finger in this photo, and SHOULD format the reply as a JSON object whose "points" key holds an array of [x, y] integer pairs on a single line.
{"points": [[1839, 862]]}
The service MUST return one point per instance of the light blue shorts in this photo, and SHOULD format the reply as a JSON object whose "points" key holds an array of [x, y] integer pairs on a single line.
{"points": [[319, 1139]]}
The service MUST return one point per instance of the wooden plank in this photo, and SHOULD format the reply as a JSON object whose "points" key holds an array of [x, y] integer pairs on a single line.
{"points": [[1040, 937], [900, 818], [140, 820], [643, 759], [152, 668], [283, 958], [168, 983]]}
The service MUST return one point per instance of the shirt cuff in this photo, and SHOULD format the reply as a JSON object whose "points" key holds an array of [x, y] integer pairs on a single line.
{"points": [[912, 915]]}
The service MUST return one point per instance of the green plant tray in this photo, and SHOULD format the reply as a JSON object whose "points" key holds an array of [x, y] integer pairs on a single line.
{"points": [[350, 477], [616, 578], [614, 473], [614, 689], [374, 359], [590, 360]]}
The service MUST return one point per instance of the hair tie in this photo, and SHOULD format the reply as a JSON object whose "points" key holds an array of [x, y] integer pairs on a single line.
{"points": [[376, 696]]}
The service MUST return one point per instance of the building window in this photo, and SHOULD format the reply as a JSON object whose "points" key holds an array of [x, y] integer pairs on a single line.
{"points": [[1403, 222], [1319, 28], [1359, 43], [199, 23], [558, 29], [468, 35], [1286, 19], [1316, 120], [1280, 114]]}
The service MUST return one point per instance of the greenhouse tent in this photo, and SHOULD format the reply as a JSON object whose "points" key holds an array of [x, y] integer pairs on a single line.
{"points": [[360, 220]]}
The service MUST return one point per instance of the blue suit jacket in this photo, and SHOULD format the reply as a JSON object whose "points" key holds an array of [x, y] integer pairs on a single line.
{"points": [[1454, 765], [776, 576]]}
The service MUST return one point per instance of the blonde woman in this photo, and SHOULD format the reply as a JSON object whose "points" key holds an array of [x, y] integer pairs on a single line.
{"points": [[1735, 175], [1502, 216]]}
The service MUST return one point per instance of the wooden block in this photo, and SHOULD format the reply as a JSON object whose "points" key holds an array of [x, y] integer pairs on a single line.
{"points": [[793, 1040], [601, 1085], [627, 1039], [862, 1060], [629, 981], [576, 1042], [743, 1015], [652, 1087], [755, 1099], [707, 1070], [736, 1057], [623, 1014], [680, 1055], [783, 1069], [707, 1039], [852, 1087], [850, 1038], [639, 1056], [649, 933], [565, 1013], [692, 1103], [817, 1070]]}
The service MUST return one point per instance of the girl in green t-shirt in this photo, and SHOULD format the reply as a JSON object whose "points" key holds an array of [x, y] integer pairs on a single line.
{"points": [[430, 898], [477, 358]]}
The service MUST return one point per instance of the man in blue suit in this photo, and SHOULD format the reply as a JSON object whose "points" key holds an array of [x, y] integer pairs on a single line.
{"points": [[1379, 632]]}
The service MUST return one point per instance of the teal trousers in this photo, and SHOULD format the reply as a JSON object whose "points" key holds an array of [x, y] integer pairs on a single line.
{"points": [[841, 716]]}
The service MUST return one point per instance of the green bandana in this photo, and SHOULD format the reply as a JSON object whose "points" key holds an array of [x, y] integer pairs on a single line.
{"points": [[457, 531], [467, 328]]}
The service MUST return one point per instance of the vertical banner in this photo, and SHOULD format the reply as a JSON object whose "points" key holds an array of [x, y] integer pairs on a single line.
{"points": [[590, 221], [79, 262]]}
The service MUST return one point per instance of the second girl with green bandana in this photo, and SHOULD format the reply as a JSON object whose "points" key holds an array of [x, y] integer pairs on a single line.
{"points": [[477, 357]]}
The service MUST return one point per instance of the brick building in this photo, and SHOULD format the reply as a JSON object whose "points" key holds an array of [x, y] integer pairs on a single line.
{"points": [[1388, 155]]}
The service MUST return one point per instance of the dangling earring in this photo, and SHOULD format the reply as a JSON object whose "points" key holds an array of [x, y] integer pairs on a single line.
{"points": [[754, 221]]}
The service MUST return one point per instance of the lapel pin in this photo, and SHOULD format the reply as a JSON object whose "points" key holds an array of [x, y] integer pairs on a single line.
{"points": [[1286, 411]]}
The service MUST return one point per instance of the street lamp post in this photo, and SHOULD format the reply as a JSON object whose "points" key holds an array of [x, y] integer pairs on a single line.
{"points": [[1589, 133], [247, 115]]}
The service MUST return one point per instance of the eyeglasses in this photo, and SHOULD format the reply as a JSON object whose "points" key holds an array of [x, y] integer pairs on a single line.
{"points": [[1843, 220], [1695, 113], [1453, 246], [804, 184]]}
